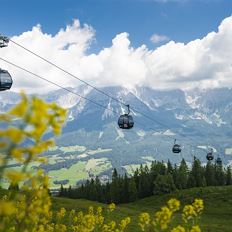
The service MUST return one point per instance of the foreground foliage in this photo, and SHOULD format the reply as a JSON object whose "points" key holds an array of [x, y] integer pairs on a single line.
{"points": [[27, 206]]}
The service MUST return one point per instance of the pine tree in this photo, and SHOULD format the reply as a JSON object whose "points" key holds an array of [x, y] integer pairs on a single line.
{"points": [[210, 174], [219, 174], [228, 176], [114, 188], [196, 176], [69, 192], [169, 168], [125, 189], [145, 185], [133, 195], [164, 184], [61, 193], [181, 178]]}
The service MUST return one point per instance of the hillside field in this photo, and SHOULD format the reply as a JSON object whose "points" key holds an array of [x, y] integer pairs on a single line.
{"points": [[217, 215]]}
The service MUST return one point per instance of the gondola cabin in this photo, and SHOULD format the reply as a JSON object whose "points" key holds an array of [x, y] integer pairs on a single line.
{"points": [[5, 80], [209, 156], [125, 121], [176, 148], [219, 161]]}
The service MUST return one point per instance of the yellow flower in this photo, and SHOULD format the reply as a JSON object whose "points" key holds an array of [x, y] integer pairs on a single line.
{"points": [[17, 154], [124, 223], [111, 207], [178, 229], [6, 208], [188, 213], [198, 205], [195, 229], [144, 220], [14, 134], [20, 109], [15, 177], [174, 205], [163, 217]]}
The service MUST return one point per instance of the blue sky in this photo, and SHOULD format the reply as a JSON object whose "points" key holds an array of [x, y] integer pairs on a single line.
{"points": [[180, 20]]}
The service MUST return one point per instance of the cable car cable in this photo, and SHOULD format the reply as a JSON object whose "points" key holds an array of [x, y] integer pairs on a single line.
{"points": [[100, 105], [93, 87], [34, 74]]}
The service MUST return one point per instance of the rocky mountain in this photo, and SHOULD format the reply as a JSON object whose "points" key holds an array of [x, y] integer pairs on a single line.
{"points": [[198, 119]]}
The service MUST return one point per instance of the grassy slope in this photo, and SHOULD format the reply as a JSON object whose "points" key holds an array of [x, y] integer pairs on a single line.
{"points": [[217, 215]]}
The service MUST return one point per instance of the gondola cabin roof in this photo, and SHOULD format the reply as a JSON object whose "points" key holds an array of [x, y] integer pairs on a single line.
{"points": [[5, 80]]}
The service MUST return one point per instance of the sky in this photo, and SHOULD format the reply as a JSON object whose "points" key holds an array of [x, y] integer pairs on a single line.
{"points": [[163, 44]]}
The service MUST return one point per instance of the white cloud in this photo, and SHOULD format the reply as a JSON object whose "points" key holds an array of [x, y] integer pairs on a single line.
{"points": [[66, 49], [204, 62], [156, 38]]}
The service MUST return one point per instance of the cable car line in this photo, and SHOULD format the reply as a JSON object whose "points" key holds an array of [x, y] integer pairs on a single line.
{"points": [[4, 42], [93, 87], [68, 90], [65, 71], [51, 82]]}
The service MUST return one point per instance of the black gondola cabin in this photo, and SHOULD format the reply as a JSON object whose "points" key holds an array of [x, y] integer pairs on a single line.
{"points": [[5, 80], [219, 161], [176, 148], [209, 156], [126, 121]]}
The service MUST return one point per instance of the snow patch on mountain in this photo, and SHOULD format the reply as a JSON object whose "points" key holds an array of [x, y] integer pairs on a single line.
{"points": [[121, 135], [100, 134], [192, 101], [141, 133], [202, 116], [217, 119], [68, 100], [108, 112], [168, 132], [70, 116], [180, 116]]}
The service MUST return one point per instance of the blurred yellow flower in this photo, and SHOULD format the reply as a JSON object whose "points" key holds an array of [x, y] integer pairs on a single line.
{"points": [[178, 229], [173, 205], [111, 207], [195, 229]]}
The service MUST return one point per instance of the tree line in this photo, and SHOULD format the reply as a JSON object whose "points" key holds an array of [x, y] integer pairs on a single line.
{"points": [[146, 181]]}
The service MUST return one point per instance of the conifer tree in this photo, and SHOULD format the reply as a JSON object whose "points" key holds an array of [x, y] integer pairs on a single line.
{"points": [[133, 195], [219, 174], [169, 168], [114, 188], [210, 174], [196, 176], [164, 184], [228, 176], [181, 178]]}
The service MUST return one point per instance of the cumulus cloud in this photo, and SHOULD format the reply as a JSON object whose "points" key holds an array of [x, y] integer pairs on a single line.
{"points": [[156, 38], [205, 62], [66, 49]]}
